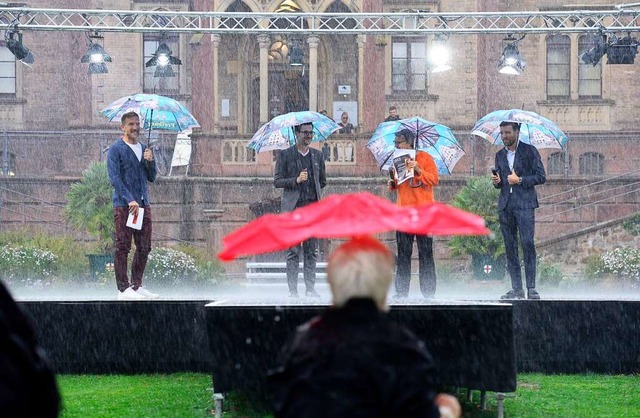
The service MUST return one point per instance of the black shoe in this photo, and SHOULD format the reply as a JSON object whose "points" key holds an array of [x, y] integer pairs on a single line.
{"points": [[513, 294], [293, 294], [532, 294], [311, 293]]}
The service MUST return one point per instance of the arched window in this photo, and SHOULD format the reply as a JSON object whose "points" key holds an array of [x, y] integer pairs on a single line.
{"points": [[589, 75], [592, 164], [558, 67], [556, 163]]}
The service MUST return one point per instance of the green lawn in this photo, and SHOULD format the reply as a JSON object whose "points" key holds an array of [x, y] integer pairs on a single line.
{"points": [[189, 395]]}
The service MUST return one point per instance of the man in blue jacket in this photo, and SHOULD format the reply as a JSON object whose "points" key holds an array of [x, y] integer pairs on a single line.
{"points": [[518, 170], [130, 165]]}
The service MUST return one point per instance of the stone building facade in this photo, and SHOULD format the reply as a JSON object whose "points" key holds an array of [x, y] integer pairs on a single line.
{"points": [[52, 126]]}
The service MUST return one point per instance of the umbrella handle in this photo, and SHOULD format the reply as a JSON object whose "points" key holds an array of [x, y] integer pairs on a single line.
{"points": [[150, 122]]}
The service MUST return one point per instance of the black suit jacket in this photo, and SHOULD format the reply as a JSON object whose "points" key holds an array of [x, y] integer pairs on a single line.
{"points": [[288, 167], [528, 165]]}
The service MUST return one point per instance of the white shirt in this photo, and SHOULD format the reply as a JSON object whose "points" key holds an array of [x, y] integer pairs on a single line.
{"points": [[137, 148]]}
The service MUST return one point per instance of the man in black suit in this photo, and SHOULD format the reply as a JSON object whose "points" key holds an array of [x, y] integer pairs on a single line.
{"points": [[518, 170], [300, 172]]}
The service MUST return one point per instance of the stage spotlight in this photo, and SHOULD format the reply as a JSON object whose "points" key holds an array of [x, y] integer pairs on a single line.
{"points": [[96, 56], [295, 55], [511, 61], [163, 58], [13, 40], [595, 54], [622, 51], [439, 55], [164, 71]]}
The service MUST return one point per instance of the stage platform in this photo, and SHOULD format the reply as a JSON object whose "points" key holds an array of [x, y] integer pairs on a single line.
{"points": [[476, 345]]}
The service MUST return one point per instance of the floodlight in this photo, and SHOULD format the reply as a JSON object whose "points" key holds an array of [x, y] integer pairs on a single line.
{"points": [[595, 54], [14, 43], [511, 61], [439, 56], [163, 57], [622, 51], [295, 55], [164, 71], [96, 56]]}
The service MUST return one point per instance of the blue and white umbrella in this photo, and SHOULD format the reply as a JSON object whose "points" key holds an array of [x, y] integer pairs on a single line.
{"points": [[278, 132], [534, 129], [433, 138], [156, 112]]}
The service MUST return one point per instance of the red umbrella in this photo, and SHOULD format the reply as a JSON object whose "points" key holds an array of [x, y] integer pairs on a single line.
{"points": [[344, 216]]}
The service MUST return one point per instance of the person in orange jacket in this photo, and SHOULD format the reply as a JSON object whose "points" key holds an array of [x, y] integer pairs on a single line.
{"points": [[416, 191]]}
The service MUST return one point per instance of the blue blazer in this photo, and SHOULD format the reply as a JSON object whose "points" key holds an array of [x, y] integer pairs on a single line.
{"points": [[127, 175], [288, 167], [528, 165]]}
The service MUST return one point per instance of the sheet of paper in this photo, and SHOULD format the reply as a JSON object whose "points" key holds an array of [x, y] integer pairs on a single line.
{"points": [[135, 221], [399, 163]]}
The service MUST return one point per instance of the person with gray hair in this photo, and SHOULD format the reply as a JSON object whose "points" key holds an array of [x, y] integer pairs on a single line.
{"points": [[352, 360]]}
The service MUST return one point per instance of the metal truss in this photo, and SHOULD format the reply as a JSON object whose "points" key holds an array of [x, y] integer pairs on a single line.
{"points": [[406, 23]]}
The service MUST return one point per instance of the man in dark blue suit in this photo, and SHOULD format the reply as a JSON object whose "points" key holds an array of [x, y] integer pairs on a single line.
{"points": [[300, 172], [518, 170]]}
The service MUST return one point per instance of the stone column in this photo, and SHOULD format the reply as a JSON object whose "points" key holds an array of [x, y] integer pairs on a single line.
{"points": [[313, 72], [215, 41], [361, 40], [264, 41]]}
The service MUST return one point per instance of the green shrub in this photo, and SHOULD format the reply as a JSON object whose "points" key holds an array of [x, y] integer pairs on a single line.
{"points": [[27, 265], [480, 197], [594, 270], [632, 225], [549, 274], [210, 269], [167, 266]]}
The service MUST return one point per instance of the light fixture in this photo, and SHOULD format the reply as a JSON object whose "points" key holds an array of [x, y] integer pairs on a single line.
{"points": [[622, 50], [439, 55], [295, 55], [511, 62], [162, 59], [595, 54], [13, 40], [96, 56]]}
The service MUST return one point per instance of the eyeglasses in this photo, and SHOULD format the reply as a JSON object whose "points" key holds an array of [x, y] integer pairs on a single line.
{"points": [[306, 132]]}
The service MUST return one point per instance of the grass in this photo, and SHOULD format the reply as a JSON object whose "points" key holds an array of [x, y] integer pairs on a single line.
{"points": [[189, 395]]}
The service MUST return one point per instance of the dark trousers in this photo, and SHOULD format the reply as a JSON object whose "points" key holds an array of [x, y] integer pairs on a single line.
{"points": [[142, 238], [426, 265], [514, 222], [310, 252]]}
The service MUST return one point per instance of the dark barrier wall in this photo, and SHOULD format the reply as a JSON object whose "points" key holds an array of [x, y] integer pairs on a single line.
{"points": [[167, 336], [472, 345], [122, 337], [560, 336]]}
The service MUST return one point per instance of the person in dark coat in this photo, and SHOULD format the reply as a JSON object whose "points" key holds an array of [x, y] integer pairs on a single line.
{"points": [[27, 384], [353, 361], [300, 172], [518, 169]]}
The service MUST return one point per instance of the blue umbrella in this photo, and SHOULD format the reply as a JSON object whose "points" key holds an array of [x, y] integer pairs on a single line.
{"points": [[156, 112], [534, 129], [278, 132], [435, 139]]}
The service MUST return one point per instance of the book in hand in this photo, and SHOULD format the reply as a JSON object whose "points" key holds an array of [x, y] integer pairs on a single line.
{"points": [[135, 220], [400, 157]]}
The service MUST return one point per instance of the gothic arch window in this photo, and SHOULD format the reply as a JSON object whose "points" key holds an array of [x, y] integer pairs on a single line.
{"points": [[558, 67], [556, 163], [589, 76], [592, 164]]}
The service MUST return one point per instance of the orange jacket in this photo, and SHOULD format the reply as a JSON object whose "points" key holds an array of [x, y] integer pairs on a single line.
{"points": [[408, 195]]}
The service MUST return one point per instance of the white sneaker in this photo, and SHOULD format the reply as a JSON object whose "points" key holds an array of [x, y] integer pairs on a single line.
{"points": [[130, 294], [146, 294]]}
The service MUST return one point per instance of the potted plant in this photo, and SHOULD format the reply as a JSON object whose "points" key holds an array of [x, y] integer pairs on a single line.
{"points": [[487, 253], [89, 208]]}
